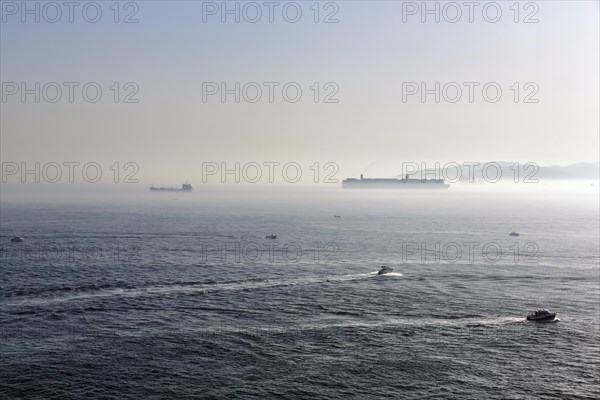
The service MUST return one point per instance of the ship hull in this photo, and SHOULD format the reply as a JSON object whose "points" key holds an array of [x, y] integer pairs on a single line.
{"points": [[413, 184], [168, 190]]}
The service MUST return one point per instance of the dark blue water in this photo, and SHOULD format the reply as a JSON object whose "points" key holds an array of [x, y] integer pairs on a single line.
{"points": [[184, 298]]}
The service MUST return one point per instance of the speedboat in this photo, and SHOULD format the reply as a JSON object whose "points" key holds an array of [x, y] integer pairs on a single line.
{"points": [[542, 315], [271, 236], [513, 234], [385, 270], [16, 239]]}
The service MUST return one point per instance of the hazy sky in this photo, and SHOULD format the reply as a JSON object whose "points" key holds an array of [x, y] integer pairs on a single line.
{"points": [[367, 55]]}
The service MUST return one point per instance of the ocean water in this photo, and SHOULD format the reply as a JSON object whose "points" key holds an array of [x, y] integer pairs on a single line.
{"points": [[180, 297]]}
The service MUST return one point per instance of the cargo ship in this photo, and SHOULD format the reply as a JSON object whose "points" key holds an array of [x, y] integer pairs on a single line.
{"points": [[186, 187], [394, 183]]}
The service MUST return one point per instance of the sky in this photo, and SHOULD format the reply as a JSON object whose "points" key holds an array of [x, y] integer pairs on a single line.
{"points": [[365, 65]]}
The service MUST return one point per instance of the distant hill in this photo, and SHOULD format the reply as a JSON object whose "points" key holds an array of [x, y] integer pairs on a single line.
{"points": [[587, 171]]}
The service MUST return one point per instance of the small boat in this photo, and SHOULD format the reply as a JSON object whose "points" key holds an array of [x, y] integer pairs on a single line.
{"points": [[186, 187], [513, 234], [271, 236], [385, 270], [542, 315], [16, 239], [336, 216]]}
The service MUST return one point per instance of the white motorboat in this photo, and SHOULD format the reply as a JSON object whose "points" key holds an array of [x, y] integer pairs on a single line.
{"points": [[385, 270]]}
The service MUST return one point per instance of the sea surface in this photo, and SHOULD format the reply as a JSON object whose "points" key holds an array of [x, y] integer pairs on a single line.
{"points": [[176, 296]]}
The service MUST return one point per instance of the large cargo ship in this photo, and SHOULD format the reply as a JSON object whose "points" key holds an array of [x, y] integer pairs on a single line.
{"points": [[393, 183], [186, 187]]}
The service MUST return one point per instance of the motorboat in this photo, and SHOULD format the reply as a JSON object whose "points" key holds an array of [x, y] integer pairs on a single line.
{"points": [[542, 315], [16, 239], [385, 270], [271, 236], [513, 234]]}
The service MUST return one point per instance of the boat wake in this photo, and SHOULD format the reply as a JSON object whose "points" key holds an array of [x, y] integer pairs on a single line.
{"points": [[469, 322], [186, 287], [430, 326]]}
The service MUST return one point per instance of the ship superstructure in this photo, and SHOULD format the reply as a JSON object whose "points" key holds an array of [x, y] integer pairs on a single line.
{"points": [[393, 183]]}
